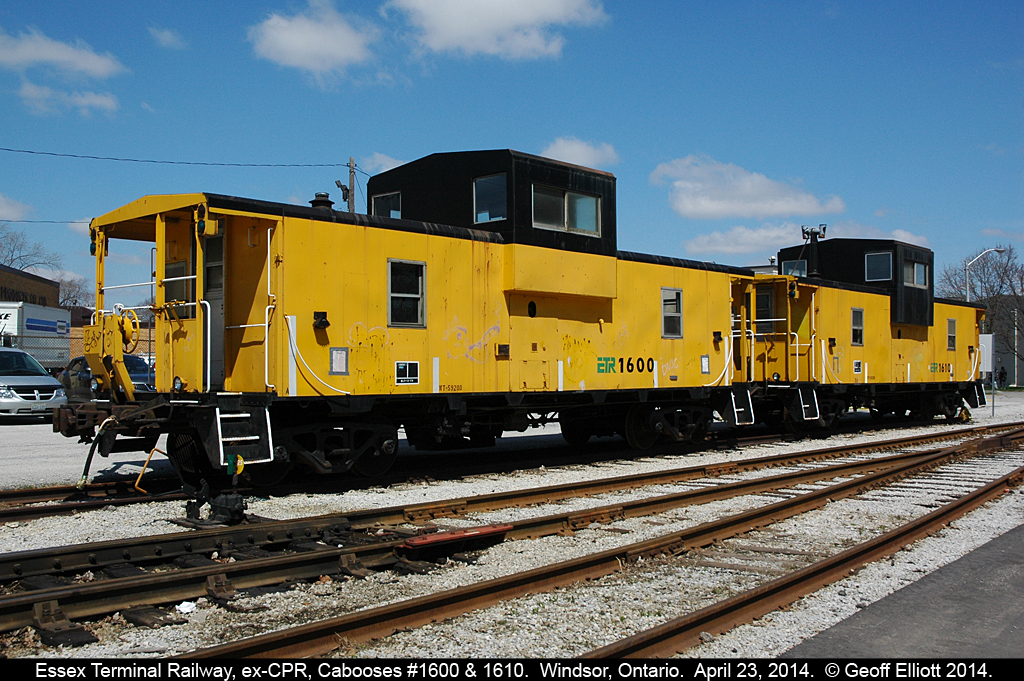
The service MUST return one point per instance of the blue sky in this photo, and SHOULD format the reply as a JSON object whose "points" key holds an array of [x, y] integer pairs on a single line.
{"points": [[727, 124]]}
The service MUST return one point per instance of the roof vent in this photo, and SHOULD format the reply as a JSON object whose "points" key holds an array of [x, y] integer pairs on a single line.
{"points": [[321, 200]]}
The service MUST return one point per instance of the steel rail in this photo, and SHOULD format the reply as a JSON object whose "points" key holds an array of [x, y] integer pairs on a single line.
{"points": [[24, 504], [684, 632], [102, 597], [323, 636], [165, 547]]}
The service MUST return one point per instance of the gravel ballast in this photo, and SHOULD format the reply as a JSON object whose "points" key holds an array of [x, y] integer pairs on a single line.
{"points": [[575, 619]]}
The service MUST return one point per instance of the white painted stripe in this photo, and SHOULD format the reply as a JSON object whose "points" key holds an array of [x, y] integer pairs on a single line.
{"points": [[655, 373], [560, 376], [437, 374], [293, 385]]}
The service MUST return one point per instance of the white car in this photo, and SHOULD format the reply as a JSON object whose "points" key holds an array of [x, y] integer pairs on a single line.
{"points": [[25, 387]]}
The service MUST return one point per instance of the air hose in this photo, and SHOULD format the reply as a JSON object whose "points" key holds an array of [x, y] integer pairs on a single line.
{"points": [[92, 451]]}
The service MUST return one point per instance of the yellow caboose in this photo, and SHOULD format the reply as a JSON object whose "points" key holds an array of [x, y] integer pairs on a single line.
{"points": [[483, 293]]}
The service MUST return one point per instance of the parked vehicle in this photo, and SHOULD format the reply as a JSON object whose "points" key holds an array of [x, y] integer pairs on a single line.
{"points": [[77, 378], [42, 332], [26, 389]]}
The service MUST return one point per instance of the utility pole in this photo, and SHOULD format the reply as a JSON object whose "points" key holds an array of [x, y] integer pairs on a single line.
{"points": [[351, 185]]}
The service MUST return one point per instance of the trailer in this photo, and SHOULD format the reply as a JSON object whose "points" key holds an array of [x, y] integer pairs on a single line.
{"points": [[43, 332]]}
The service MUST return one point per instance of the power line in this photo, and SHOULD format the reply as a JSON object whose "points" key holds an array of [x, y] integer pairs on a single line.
{"points": [[181, 163], [48, 222]]}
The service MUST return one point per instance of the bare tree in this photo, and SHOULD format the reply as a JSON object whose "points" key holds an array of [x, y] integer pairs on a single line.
{"points": [[20, 252], [997, 282], [76, 291]]}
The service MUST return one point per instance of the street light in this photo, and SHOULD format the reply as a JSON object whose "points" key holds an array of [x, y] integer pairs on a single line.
{"points": [[967, 268]]}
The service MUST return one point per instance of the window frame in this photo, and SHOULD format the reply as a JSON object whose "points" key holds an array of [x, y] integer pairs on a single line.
{"points": [[950, 337], [854, 328], [799, 268], [667, 315], [176, 270], [373, 205], [764, 328], [489, 219], [565, 211], [421, 297], [915, 264], [868, 255]]}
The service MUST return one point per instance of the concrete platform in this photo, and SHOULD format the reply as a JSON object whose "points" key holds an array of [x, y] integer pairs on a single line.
{"points": [[971, 608]]}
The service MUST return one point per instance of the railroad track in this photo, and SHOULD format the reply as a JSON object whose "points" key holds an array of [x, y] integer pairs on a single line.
{"points": [[19, 505], [684, 632], [318, 638], [87, 600], [163, 548]]}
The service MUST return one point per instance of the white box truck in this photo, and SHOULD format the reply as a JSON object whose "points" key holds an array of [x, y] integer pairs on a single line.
{"points": [[43, 332]]}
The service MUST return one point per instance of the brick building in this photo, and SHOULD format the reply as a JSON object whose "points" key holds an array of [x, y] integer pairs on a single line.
{"points": [[22, 287]]}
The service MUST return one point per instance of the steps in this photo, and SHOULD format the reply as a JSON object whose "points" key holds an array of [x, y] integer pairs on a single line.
{"points": [[244, 432]]}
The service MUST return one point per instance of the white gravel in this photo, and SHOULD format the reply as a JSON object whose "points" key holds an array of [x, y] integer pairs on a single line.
{"points": [[568, 621]]}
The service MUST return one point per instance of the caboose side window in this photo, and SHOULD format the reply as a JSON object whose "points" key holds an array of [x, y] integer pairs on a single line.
{"points": [[877, 266], [584, 215], [180, 290], [951, 334], [406, 294], [548, 208], [671, 313], [765, 309], [796, 268], [857, 327], [388, 205], [490, 200], [915, 274], [566, 211]]}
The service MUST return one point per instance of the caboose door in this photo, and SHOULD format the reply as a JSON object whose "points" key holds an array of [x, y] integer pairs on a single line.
{"points": [[214, 295]]}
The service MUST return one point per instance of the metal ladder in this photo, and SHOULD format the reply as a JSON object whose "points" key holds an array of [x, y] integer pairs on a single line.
{"points": [[808, 408], [245, 433], [743, 410]]}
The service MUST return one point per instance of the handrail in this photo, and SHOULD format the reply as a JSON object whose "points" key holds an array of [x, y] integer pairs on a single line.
{"points": [[728, 363], [826, 368], [144, 283], [970, 376], [185, 278], [814, 354], [295, 349], [206, 341], [266, 320], [796, 353]]}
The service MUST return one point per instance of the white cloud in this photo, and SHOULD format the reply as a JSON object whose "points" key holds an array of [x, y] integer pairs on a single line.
{"points": [[42, 99], [703, 188], [319, 40], [11, 209], [524, 29], [80, 225], [56, 275], [378, 163], [34, 49], [147, 107], [769, 238], [165, 37], [742, 240], [848, 229], [572, 150]]}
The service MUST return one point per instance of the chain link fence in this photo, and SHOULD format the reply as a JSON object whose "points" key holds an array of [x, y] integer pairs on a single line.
{"points": [[53, 352]]}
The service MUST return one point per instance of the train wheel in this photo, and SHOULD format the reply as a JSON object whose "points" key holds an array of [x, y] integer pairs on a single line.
{"points": [[574, 432], [377, 461], [638, 431]]}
